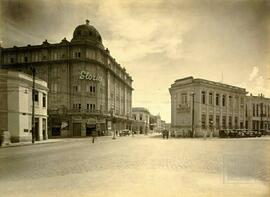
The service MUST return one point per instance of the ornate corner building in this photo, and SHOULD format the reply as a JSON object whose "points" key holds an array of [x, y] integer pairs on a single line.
{"points": [[88, 89]]}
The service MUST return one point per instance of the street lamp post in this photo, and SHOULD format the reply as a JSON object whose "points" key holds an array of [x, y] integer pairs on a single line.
{"points": [[33, 104]]}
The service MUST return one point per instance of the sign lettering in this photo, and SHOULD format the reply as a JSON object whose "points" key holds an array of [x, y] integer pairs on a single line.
{"points": [[88, 76]]}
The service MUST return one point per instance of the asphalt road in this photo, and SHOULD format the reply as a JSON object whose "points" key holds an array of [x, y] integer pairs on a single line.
{"points": [[138, 166]]}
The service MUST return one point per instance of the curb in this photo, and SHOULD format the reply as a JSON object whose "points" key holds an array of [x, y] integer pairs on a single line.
{"points": [[29, 144]]}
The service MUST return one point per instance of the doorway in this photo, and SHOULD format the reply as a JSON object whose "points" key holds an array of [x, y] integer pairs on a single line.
{"points": [[37, 129], [90, 128], [76, 129]]}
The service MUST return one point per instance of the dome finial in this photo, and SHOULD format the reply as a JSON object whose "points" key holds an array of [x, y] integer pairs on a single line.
{"points": [[87, 22]]}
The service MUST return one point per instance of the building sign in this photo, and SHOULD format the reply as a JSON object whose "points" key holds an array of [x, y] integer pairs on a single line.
{"points": [[89, 76]]}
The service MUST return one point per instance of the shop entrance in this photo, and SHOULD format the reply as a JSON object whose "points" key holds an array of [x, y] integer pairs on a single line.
{"points": [[76, 129], [90, 128], [37, 129], [56, 131]]}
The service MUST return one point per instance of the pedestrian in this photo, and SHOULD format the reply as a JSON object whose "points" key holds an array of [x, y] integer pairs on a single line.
{"points": [[163, 134], [94, 135]]}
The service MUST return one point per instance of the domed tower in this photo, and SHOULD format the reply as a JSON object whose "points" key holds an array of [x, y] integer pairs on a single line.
{"points": [[87, 33]]}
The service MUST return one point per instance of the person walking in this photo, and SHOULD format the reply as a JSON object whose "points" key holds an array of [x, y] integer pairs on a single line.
{"points": [[95, 134]]}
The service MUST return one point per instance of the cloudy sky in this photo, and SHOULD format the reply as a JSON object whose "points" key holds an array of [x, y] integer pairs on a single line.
{"points": [[158, 41]]}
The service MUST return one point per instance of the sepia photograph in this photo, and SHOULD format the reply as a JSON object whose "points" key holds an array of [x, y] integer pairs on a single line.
{"points": [[135, 98]]}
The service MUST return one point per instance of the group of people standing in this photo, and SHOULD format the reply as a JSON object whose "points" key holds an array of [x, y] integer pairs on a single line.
{"points": [[165, 134]]}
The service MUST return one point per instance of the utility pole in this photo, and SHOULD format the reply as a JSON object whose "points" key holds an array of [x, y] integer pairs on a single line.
{"points": [[192, 121], [33, 104]]}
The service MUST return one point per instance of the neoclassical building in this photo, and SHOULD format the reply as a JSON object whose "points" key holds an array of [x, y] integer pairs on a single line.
{"points": [[88, 89], [141, 117], [257, 112], [16, 106], [199, 106], [216, 105]]}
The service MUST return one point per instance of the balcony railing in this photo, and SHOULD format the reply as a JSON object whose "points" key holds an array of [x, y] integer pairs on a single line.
{"points": [[183, 108], [85, 111]]}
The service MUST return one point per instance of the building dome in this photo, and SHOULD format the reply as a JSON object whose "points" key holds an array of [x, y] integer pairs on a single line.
{"points": [[86, 32]]}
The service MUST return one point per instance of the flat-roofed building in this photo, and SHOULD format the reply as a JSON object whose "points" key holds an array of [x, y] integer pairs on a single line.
{"points": [[216, 106], [16, 106], [257, 113]]}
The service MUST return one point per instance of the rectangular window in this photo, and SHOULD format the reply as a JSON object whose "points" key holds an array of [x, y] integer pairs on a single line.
{"points": [[94, 89], [184, 98], [36, 96], [79, 106], [203, 97], [224, 124], [91, 88], [217, 122], [210, 98], [140, 116], [25, 59], [230, 122], [77, 88], [77, 54], [253, 109], [87, 106], [236, 122], [94, 107], [230, 102], [217, 99], [224, 100], [203, 121], [43, 100], [11, 60]]}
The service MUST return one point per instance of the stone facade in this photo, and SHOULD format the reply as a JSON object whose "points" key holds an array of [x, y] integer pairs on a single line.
{"points": [[88, 88], [216, 106], [16, 106], [257, 113], [141, 117]]}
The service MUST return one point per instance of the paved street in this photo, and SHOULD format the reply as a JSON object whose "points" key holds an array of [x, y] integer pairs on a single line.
{"points": [[138, 166]]}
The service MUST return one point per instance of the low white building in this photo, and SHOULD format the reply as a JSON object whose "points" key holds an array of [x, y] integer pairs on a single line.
{"points": [[16, 106]]}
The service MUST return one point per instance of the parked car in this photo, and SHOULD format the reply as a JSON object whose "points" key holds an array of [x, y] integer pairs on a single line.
{"points": [[124, 132]]}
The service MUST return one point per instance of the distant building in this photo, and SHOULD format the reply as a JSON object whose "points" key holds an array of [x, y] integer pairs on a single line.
{"points": [[16, 106], [257, 112], [88, 88], [141, 117], [216, 106]]}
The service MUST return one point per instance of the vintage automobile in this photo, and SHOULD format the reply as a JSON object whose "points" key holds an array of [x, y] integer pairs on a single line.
{"points": [[124, 132], [238, 133]]}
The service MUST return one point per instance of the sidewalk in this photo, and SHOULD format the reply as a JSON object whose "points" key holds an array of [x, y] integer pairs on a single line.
{"points": [[55, 141]]}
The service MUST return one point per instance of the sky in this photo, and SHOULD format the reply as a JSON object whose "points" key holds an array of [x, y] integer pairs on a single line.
{"points": [[158, 41]]}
